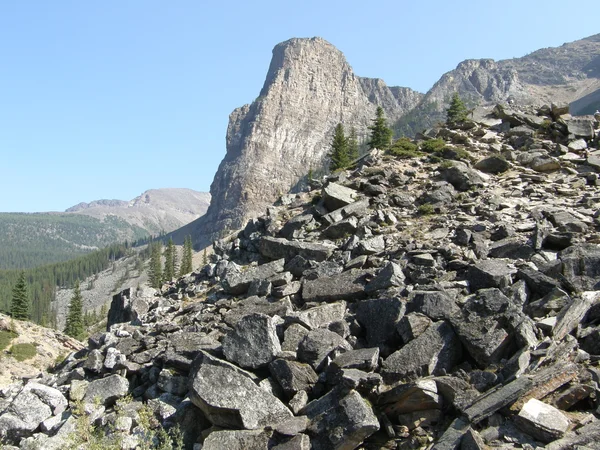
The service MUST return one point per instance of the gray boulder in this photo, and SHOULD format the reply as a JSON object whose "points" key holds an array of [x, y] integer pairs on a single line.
{"points": [[493, 164], [461, 176], [339, 421], [229, 397], [379, 317], [490, 273], [321, 316], [435, 351], [253, 343], [237, 440], [436, 305], [129, 305], [107, 390], [348, 285], [336, 196], [390, 276], [542, 421], [581, 266], [276, 248], [293, 376], [318, 344], [236, 283]]}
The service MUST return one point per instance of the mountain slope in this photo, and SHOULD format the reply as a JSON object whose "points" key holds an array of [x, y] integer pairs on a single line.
{"points": [[559, 74]]}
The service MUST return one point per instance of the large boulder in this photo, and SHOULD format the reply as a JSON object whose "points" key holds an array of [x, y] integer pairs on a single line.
{"points": [[461, 176], [230, 398], [348, 285], [276, 248], [129, 305], [236, 283], [581, 266], [318, 344], [106, 391], [253, 343], [379, 317], [434, 352], [336, 196], [340, 421]]}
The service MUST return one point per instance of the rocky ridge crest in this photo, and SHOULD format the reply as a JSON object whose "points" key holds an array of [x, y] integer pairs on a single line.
{"points": [[450, 299]]}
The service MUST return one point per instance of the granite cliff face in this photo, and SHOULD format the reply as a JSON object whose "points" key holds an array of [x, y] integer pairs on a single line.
{"points": [[569, 73], [273, 142]]}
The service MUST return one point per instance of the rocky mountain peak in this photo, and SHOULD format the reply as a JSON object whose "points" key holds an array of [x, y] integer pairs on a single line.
{"points": [[274, 142]]}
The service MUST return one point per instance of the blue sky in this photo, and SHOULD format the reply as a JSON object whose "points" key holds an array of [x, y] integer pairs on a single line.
{"points": [[105, 99]]}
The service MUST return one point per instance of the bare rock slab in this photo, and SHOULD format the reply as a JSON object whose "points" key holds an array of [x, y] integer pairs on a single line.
{"points": [[438, 349], [336, 196], [349, 285], [229, 397], [106, 390], [340, 421], [276, 248], [253, 343], [237, 440], [542, 421]]}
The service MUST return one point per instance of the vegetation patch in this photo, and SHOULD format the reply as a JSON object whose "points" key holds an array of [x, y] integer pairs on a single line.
{"points": [[6, 337], [433, 145], [426, 209], [404, 148], [22, 352]]}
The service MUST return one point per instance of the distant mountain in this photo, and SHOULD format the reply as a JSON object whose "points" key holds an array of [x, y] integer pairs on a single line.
{"points": [[154, 210], [566, 74], [29, 240]]}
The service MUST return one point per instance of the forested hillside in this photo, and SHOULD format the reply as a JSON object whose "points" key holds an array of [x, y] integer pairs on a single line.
{"points": [[42, 281], [31, 240]]}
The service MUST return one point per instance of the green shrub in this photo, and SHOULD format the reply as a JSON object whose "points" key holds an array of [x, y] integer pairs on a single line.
{"points": [[433, 145], [446, 164], [455, 153], [425, 209], [403, 148], [6, 337], [21, 352]]}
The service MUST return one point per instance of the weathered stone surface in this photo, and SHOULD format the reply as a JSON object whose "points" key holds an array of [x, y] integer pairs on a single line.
{"points": [[493, 164], [293, 376], [406, 398], [321, 316], [276, 248], [237, 440], [542, 421], [412, 325], [129, 305], [24, 414], [253, 343], [436, 350], [343, 228], [107, 390], [172, 384], [492, 401], [581, 266], [349, 415], [318, 344], [390, 276], [349, 285], [453, 435], [336, 196], [379, 317], [229, 398], [436, 305], [490, 273], [365, 359], [461, 176], [238, 282], [295, 224]]}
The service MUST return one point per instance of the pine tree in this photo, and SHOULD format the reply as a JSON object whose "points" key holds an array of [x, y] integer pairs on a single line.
{"points": [[170, 261], [352, 145], [20, 301], [75, 318], [155, 274], [457, 112], [381, 135], [339, 150], [186, 260]]}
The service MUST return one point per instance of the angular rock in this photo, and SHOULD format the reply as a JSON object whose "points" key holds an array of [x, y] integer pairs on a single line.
{"points": [[292, 337], [318, 344], [321, 316], [236, 283], [435, 351], [107, 390], [293, 376], [276, 248], [295, 224], [494, 400], [490, 273], [581, 266], [453, 435], [343, 228], [536, 281], [436, 305], [379, 317], [129, 305], [412, 325], [493, 164], [336, 196], [253, 343], [349, 415], [365, 359], [349, 285], [543, 422], [390, 276], [461, 176], [406, 398], [237, 440], [229, 398]]}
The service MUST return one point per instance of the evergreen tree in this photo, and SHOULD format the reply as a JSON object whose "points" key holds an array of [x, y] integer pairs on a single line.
{"points": [[75, 318], [353, 153], [186, 260], [204, 258], [155, 274], [20, 301], [339, 149], [170, 261], [381, 135], [457, 112]]}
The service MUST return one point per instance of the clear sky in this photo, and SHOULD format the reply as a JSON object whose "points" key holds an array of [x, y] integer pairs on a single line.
{"points": [[106, 99]]}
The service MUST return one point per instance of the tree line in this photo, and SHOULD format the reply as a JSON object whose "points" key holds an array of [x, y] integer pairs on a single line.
{"points": [[159, 272]]}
